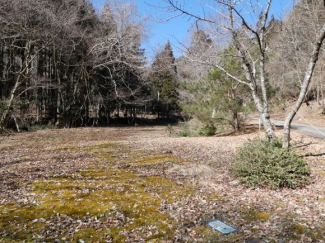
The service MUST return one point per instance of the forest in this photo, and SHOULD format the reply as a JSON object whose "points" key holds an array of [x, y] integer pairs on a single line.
{"points": [[65, 65]]}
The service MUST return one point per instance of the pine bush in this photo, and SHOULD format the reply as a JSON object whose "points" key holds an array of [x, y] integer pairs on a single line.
{"points": [[261, 163]]}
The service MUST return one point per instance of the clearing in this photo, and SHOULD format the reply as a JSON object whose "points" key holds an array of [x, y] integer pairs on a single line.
{"points": [[139, 185]]}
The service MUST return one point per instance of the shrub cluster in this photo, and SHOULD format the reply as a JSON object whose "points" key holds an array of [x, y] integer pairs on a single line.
{"points": [[261, 163], [207, 130], [184, 132], [187, 130]]}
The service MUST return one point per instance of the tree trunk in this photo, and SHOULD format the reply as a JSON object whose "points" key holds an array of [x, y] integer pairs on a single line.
{"points": [[304, 88], [264, 114], [6, 114], [23, 72], [250, 68]]}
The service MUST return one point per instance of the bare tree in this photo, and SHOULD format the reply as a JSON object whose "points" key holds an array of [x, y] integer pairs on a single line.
{"points": [[313, 12], [23, 24], [245, 22], [292, 44], [42, 41], [116, 49], [117, 59], [64, 63], [201, 48]]}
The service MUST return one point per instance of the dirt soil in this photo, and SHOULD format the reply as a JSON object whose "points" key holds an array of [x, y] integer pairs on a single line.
{"points": [[195, 170]]}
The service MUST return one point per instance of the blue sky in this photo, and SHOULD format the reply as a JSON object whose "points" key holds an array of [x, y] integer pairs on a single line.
{"points": [[176, 30]]}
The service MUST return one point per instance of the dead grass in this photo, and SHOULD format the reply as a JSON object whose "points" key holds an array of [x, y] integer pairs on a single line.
{"points": [[195, 170]]}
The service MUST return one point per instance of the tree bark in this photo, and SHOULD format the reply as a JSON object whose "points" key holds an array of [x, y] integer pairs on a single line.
{"points": [[264, 114], [249, 68], [304, 88], [6, 114]]}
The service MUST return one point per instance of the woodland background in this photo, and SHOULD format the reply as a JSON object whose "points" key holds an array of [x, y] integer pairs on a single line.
{"points": [[62, 64]]}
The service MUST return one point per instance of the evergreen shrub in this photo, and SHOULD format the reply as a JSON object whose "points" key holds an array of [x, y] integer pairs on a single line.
{"points": [[183, 132], [261, 163], [208, 130]]}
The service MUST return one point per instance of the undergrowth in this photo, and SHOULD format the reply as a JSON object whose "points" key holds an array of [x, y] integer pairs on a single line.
{"points": [[186, 130]]}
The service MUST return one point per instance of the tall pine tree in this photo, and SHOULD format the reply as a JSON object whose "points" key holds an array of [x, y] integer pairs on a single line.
{"points": [[163, 82]]}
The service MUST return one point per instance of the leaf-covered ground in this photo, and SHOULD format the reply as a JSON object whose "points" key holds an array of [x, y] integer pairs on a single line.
{"points": [[139, 185]]}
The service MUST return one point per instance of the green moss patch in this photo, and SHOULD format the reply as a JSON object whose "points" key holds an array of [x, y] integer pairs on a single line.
{"points": [[259, 215], [119, 199], [119, 193]]}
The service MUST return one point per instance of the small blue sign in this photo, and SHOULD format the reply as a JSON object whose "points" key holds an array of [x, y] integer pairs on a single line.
{"points": [[222, 227]]}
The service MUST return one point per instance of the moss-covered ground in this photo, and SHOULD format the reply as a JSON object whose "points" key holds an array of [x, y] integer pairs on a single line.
{"points": [[121, 199], [115, 191]]}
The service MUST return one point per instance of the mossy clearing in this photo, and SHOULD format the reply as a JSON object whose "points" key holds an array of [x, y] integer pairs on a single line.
{"points": [[119, 199], [119, 191]]}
